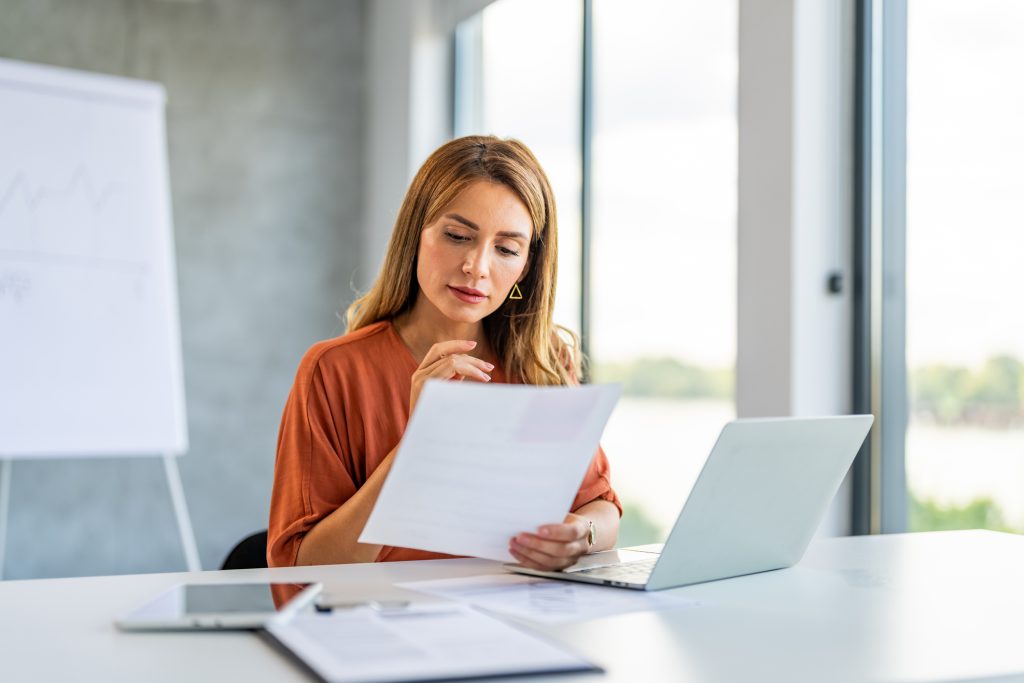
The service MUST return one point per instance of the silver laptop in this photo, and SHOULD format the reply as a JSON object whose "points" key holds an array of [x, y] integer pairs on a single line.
{"points": [[755, 506]]}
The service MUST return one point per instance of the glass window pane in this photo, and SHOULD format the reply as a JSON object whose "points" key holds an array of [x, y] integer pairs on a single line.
{"points": [[533, 95], [965, 245], [664, 244]]}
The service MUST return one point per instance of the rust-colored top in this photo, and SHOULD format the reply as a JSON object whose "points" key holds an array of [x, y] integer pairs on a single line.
{"points": [[347, 409]]}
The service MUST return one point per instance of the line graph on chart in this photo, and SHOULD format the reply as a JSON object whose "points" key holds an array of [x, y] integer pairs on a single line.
{"points": [[74, 222]]}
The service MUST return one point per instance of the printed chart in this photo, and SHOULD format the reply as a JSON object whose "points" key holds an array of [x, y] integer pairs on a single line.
{"points": [[90, 359]]}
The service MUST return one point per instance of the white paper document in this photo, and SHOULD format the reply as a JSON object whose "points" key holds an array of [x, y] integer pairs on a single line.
{"points": [[480, 463], [452, 642], [546, 600]]}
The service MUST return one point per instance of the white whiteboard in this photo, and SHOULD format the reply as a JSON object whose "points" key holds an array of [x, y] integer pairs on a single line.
{"points": [[90, 351]]}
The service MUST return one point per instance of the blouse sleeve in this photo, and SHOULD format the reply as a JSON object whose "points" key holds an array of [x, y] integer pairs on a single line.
{"points": [[597, 484], [311, 479]]}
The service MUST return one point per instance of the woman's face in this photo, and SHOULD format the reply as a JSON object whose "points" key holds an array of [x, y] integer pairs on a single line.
{"points": [[474, 252]]}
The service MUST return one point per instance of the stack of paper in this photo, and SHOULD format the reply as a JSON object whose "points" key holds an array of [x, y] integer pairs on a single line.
{"points": [[481, 463], [546, 600], [422, 643]]}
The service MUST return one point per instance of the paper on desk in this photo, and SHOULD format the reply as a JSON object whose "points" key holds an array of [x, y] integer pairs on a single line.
{"points": [[546, 600], [481, 463], [365, 645]]}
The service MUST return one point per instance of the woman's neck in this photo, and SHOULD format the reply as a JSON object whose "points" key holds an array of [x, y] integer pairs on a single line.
{"points": [[420, 329]]}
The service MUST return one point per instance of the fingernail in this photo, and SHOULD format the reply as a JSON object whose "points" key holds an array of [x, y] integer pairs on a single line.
{"points": [[472, 343], [489, 366], [487, 376], [544, 532]]}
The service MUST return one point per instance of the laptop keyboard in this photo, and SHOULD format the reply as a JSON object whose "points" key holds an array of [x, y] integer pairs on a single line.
{"points": [[630, 572]]}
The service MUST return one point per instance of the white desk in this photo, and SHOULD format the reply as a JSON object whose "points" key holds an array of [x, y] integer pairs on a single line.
{"points": [[914, 607]]}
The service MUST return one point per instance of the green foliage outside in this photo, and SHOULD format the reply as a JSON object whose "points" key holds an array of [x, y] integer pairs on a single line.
{"points": [[980, 513], [636, 528], [990, 396], [667, 378]]}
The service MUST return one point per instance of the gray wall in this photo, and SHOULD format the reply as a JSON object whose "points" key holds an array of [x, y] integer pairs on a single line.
{"points": [[265, 127]]}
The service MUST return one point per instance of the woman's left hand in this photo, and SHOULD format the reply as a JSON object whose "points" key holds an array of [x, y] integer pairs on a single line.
{"points": [[554, 547]]}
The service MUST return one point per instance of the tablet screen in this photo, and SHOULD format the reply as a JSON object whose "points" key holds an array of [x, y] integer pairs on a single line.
{"points": [[190, 602], [234, 598]]}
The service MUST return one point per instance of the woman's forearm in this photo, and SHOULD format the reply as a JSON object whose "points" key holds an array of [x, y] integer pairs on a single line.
{"points": [[605, 517], [334, 540]]}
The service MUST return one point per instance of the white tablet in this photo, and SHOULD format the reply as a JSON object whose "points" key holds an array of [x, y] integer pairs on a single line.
{"points": [[219, 606]]}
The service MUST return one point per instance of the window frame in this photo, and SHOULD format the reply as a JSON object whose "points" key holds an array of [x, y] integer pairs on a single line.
{"points": [[879, 372]]}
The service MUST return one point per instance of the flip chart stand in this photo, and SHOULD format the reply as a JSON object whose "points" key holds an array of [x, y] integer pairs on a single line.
{"points": [[5, 495], [188, 539]]}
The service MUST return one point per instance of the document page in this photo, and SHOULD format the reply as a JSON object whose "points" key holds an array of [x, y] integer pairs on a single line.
{"points": [[546, 600], [480, 463], [436, 643]]}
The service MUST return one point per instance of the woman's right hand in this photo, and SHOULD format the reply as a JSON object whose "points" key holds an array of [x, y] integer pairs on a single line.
{"points": [[448, 360]]}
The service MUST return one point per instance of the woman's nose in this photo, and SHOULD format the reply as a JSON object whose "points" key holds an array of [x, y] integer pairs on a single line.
{"points": [[476, 264]]}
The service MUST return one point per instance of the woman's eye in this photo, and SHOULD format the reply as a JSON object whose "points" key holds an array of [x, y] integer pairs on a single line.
{"points": [[455, 237]]}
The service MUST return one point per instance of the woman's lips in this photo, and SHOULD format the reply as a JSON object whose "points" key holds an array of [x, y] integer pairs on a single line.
{"points": [[466, 296]]}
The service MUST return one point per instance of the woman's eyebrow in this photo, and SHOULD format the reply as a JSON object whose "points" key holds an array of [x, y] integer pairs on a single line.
{"points": [[473, 226]]}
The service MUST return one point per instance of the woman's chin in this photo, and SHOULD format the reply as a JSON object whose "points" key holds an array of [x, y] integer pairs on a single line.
{"points": [[467, 318], [465, 314]]}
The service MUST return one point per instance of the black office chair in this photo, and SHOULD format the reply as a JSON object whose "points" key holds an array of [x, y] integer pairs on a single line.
{"points": [[250, 553]]}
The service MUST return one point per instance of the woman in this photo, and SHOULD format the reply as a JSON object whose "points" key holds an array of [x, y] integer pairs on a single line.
{"points": [[466, 293]]}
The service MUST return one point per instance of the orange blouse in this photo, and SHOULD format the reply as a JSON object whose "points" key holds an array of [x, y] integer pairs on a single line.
{"points": [[346, 411]]}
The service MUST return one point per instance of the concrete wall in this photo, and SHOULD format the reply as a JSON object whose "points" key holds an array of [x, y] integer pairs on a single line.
{"points": [[265, 128]]}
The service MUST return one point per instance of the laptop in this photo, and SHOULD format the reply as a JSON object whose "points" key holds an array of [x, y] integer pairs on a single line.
{"points": [[755, 506]]}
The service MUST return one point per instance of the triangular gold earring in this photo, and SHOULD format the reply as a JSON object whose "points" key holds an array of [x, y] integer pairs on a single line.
{"points": [[516, 294]]}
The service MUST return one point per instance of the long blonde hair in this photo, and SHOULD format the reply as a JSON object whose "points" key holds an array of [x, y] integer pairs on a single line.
{"points": [[531, 348]]}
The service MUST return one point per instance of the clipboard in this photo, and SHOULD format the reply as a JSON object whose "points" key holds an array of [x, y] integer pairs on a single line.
{"points": [[430, 642]]}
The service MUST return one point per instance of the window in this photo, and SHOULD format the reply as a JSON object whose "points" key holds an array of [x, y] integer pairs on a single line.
{"points": [[663, 250], [964, 280], [947, 336], [532, 95], [663, 201]]}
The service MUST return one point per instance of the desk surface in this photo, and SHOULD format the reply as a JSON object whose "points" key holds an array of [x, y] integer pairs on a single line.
{"points": [[910, 607]]}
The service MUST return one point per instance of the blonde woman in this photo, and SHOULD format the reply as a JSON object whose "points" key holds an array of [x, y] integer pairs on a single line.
{"points": [[466, 293]]}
